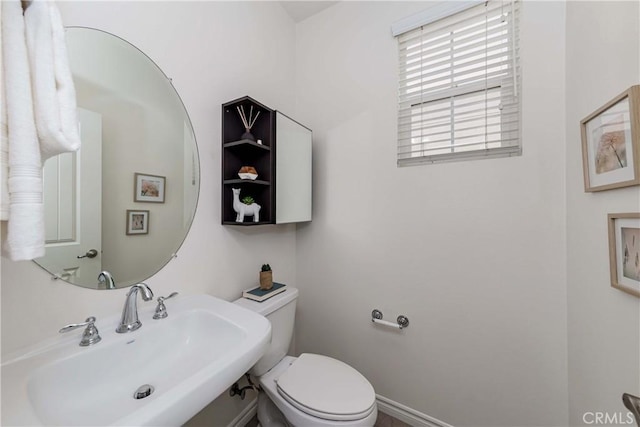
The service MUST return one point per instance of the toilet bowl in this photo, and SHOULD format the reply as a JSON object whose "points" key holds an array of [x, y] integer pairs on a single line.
{"points": [[315, 390], [309, 390]]}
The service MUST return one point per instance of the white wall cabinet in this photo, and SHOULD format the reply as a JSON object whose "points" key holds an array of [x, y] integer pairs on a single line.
{"points": [[293, 171]]}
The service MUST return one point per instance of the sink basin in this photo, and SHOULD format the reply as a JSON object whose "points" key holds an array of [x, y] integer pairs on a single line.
{"points": [[189, 358]]}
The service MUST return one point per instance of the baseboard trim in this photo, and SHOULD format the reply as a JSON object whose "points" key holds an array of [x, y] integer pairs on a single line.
{"points": [[388, 406], [406, 414], [245, 416]]}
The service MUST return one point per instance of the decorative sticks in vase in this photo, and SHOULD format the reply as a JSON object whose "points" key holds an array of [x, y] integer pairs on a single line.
{"points": [[248, 123]]}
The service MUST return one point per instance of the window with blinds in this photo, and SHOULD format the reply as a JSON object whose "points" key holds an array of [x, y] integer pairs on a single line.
{"points": [[458, 86]]}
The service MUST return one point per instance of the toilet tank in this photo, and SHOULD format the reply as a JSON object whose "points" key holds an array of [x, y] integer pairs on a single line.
{"points": [[281, 311]]}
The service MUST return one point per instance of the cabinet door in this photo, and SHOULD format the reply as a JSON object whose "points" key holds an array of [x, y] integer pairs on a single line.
{"points": [[293, 171]]}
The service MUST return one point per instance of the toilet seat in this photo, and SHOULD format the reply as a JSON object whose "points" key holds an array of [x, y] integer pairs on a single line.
{"points": [[326, 388]]}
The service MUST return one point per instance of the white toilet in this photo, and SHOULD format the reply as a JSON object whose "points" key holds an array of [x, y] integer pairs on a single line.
{"points": [[310, 390]]}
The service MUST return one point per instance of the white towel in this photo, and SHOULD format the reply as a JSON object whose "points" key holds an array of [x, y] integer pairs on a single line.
{"points": [[4, 155], [41, 117], [25, 235], [4, 144], [53, 90]]}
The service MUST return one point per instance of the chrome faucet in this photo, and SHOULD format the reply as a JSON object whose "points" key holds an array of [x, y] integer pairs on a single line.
{"points": [[90, 335], [106, 278], [129, 321]]}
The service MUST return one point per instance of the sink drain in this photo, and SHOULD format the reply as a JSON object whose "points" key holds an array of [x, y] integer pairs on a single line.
{"points": [[143, 391]]}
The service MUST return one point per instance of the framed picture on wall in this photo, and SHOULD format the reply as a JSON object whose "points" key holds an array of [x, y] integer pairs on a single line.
{"points": [[624, 252], [148, 188], [137, 222], [611, 143]]}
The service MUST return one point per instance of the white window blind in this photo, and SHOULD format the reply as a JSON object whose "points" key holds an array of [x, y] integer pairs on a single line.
{"points": [[459, 86]]}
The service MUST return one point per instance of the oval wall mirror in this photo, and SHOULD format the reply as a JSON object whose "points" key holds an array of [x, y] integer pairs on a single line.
{"points": [[122, 204]]}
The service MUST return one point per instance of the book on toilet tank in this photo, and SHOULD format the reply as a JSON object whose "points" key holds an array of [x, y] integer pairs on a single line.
{"points": [[260, 295]]}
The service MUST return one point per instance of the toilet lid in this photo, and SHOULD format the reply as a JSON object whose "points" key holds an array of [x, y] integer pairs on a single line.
{"points": [[326, 388]]}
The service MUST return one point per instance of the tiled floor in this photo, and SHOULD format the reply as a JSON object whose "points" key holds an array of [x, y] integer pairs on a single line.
{"points": [[383, 420]]}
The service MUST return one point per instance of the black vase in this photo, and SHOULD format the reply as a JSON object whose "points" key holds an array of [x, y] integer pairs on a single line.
{"points": [[248, 135]]}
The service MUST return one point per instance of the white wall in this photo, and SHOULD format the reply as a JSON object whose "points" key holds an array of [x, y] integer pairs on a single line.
{"points": [[603, 59], [215, 52], [473, 252]]}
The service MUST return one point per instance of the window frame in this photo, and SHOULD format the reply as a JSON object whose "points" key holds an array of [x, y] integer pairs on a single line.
{"points": [[450, 27]]}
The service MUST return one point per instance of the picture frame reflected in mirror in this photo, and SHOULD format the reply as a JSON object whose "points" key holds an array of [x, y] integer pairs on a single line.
{"points": [[137, 222], [149, 188]]}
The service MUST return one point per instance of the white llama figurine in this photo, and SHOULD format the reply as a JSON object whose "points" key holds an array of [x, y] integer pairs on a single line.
{"points": [[243, 210]]}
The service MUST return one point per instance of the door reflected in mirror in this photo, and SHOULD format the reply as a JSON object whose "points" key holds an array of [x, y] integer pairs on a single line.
{"points": [[133, 124]]}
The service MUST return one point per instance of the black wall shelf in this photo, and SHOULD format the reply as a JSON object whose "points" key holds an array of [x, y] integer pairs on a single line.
{"points": [[245, 181], [238, 152], [245, 224], [248, 142]]}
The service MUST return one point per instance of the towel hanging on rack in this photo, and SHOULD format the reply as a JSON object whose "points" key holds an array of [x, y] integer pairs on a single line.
{"points": [[40, 116], [25, 237], [54, 96], [4, 144]]}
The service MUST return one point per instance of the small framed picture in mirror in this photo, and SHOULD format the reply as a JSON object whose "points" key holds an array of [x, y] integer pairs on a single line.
{"points": [[149, 188], [137, 222]]}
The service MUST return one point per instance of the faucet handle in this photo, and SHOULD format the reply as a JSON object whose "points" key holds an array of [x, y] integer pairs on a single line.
{"points": [[90, 335], [161, 310]]}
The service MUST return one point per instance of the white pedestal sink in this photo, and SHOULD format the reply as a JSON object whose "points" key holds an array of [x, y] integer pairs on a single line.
{"points": [[190, 358]]}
